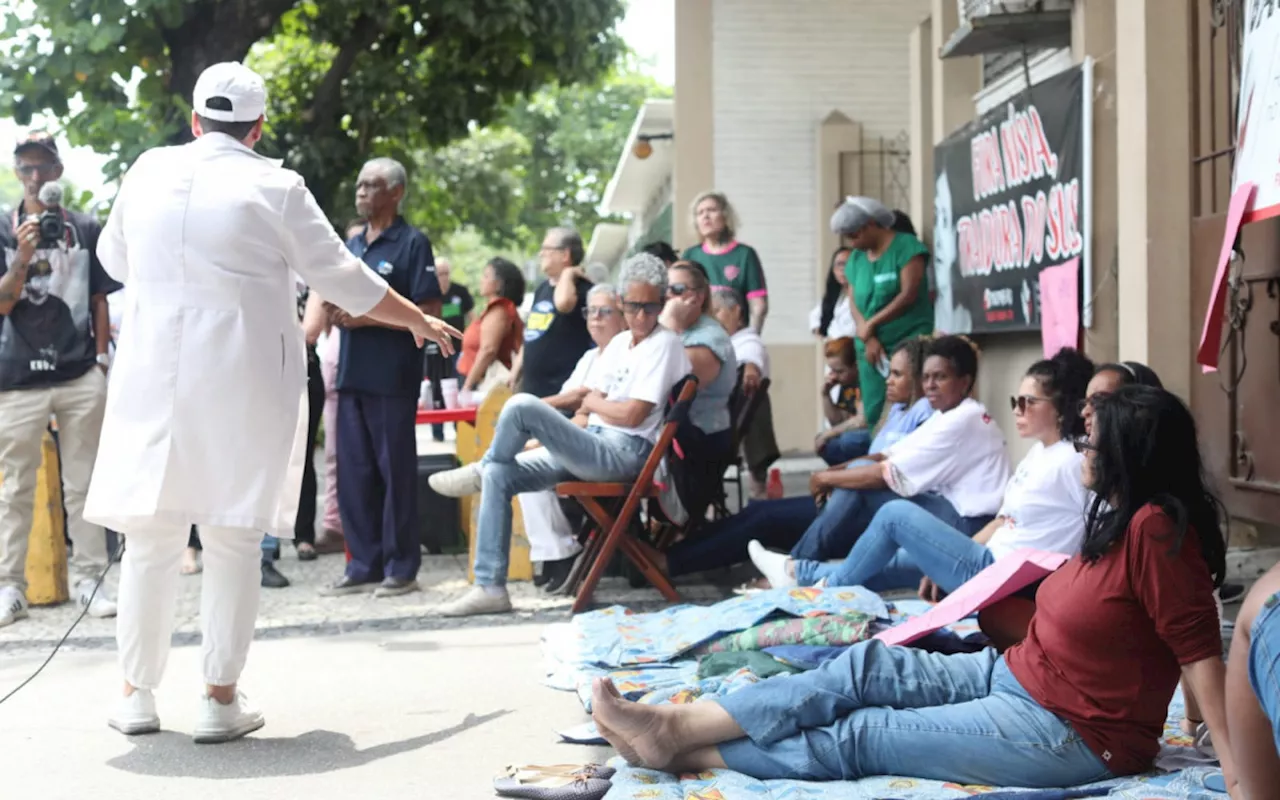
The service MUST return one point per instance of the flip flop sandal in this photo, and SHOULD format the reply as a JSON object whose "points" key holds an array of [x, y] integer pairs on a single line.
{"points": [[560, 771], [541, 786]]}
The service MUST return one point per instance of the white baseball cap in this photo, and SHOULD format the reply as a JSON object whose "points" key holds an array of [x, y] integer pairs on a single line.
{"points": [[230, 92]]}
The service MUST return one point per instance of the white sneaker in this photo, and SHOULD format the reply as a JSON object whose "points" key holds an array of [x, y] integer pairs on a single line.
{"points": [[13, 606], [135, 714], [219, 723], [102, 604], [458, 482], [772, 565], [477, 601]]}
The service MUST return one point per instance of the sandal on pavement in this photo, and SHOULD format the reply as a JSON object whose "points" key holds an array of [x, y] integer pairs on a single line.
{"points": [[561, 770], [539, 785]]}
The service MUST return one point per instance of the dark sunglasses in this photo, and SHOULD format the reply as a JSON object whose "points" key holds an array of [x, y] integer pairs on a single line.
{"points": [[652, 309], [27, 170], [1089, 401], [603, 312], [680, 289], [1020, 402], [1082, 444]]}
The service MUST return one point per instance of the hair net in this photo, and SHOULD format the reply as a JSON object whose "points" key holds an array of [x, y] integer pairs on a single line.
{"points": [[855, 212]]}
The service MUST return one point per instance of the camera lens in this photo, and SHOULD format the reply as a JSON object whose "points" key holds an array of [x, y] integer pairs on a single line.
{"points": [[52, 227]]}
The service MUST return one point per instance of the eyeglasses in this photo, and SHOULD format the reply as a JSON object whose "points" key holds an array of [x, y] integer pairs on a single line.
{"points": [[1082, 444], [678, 289], [1090, 400], [651, 309], [1020, 402], [601, 312], [27, 170]]}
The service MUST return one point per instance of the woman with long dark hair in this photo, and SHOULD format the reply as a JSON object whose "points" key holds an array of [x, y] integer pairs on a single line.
{"points": [[1082, 699]]}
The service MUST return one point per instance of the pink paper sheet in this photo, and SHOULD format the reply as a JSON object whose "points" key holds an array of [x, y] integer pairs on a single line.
{"points": [[1011, 573], [1211, 334], [1060, 307]]}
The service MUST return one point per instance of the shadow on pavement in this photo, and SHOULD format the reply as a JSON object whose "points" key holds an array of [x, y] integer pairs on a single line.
{"points": [[173, 755]]}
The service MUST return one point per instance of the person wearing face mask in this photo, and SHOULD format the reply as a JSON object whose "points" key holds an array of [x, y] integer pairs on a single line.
{"points": [[1043, 505], [954, 465], [552, 543]]}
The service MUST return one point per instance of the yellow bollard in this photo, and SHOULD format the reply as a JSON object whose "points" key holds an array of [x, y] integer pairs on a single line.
{"points": [[473, 441], [47, 543]]}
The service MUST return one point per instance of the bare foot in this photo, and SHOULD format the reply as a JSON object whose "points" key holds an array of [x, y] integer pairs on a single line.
{"points": [[639, 732], [190, 561]]}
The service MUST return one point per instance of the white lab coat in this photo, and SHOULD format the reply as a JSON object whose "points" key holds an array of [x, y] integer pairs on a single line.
{"points": [[206, 406]]}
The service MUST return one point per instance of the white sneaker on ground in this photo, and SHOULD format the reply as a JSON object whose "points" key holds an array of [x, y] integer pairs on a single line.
{"points": [[13, 606], [458, 482], [772, 565], [219, 723], [477, 601], [135, 714], [102, 605]]}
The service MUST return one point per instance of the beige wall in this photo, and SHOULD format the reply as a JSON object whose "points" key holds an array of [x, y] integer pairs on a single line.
{"points": [[692, 170]]}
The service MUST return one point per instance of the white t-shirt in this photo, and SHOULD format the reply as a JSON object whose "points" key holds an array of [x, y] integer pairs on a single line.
{"points": [[645, 371], [582, 370], [842, 322], [1044, 503], [749, 348], [958, 454]]}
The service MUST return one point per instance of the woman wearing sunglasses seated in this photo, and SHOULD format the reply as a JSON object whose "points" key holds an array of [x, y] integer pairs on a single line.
{"points": [[707, 344], [1044, 505], [1082, 699]]}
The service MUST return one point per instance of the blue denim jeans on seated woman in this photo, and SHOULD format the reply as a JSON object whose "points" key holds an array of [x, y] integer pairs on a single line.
{"points": [[567, 453], [902, 543], [884, 710], [846, 446], [777, 524], [848, 512]]}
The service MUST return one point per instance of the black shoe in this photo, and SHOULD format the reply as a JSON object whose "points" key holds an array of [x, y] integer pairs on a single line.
{"points": [[271, 577], [555, 573], [1230, 593]]}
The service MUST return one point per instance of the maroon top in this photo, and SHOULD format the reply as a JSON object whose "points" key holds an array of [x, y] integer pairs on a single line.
{"points": [[1105, 648]]}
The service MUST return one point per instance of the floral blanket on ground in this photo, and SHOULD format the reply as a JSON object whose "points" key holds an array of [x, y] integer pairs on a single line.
{"points": [[823, 631]]}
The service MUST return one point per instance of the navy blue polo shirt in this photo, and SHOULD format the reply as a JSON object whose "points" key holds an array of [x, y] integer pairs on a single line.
{"points": [[380, 360]]}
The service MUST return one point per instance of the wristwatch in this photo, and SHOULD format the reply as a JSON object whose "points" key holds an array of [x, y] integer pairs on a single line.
{"points": [[104, 360]]}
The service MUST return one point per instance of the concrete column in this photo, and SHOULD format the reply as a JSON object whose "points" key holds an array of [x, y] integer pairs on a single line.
{"points": [[955, 80], [693, 169], [1153, 193], [921, 54], [1094, 35]]}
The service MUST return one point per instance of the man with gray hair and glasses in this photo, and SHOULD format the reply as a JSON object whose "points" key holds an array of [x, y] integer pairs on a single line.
{"points": [[379, 375], [613, 430]]}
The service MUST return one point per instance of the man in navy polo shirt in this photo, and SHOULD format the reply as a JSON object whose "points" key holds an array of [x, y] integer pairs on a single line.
{"points": [[379, 373]]}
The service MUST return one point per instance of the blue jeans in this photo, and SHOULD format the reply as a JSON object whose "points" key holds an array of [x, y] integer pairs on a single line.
{"points": [[778, 524], [567, 453], [1264, 661], [847, 446], [848, 512], [902, 543], [883, 710], [270, 547]]}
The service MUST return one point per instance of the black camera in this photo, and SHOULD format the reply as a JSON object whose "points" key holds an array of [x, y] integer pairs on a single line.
{"points": [[52, 227]]}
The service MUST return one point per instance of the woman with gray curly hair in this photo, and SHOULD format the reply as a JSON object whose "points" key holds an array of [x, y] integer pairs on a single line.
{"points": [[609, 439], [886, 272]]}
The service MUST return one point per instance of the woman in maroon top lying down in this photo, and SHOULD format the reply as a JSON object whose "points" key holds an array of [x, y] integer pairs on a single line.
{"points": [[1082, 698]]}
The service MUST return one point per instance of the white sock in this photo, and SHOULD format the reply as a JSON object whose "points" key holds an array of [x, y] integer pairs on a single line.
{"points": [[772, 565]]}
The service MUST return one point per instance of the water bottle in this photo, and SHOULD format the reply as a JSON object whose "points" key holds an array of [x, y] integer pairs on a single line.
{"points": [[424, 396]]}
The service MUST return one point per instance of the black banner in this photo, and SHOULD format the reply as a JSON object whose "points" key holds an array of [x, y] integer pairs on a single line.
{"points": [[1008, 202]]}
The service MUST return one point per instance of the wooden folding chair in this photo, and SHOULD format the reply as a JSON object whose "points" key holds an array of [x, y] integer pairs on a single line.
{"points": [[610, 532]]}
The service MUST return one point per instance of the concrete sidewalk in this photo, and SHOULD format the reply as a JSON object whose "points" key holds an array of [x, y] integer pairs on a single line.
{"points": [[353, 717]]}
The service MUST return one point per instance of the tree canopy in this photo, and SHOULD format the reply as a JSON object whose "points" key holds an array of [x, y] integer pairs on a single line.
{"points": [[347, 79]]}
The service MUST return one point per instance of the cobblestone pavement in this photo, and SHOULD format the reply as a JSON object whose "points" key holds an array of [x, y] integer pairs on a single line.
{"points": [[300, 610]]}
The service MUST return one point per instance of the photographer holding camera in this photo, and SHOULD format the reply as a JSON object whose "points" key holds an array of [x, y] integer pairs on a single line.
{"points": [[54, 336]]}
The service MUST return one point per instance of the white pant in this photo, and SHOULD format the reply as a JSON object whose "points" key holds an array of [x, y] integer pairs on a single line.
{"points": [[228, 602], [547, 528]]}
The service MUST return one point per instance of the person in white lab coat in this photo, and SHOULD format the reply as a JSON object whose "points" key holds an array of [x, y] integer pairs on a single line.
{"points": [[205, 416]]}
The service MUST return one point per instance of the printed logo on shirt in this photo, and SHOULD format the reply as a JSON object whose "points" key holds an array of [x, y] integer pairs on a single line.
{"points": [[885, 277], [731, 272], [540, 319], [453, 308], [986, 419], [385, 268]]}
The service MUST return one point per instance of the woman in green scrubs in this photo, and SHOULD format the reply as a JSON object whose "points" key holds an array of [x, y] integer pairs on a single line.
{"points": [[890, 298]]}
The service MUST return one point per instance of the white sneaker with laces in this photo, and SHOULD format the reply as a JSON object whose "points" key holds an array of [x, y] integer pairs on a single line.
{"points": [[460, 482], [101, 605], [477, 601], [135, 714], [13, 606], [219, 723]]}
